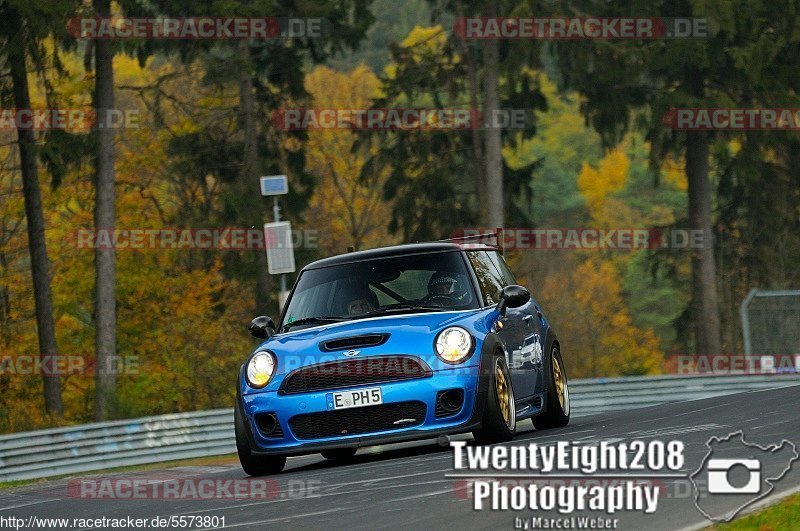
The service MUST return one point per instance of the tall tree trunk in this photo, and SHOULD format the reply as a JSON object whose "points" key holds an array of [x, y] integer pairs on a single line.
{"points": [[250, 173], [478, 167], [104, 220], [477, 142], [705, 306], [40, 267], [494, 155]]}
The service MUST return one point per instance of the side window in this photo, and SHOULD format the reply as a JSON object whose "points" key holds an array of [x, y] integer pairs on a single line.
{"points": [[502, 267], [489, 278]]}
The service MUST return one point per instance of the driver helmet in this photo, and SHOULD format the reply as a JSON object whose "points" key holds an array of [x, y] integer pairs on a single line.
{"points": [[444, 283]]}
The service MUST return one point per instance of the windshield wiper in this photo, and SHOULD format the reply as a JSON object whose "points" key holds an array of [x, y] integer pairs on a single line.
{"points": [[320, 319], [402, 307]]}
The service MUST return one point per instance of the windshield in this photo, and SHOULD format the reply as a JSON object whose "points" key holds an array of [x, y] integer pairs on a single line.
{"points": [[403, 284]]}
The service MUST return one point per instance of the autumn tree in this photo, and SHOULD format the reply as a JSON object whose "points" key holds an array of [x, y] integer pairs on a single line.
{"points": [[188, 289], [726, 67], [267, 75], [23, 27], [596, 325], [347, 206], [434, 169]]}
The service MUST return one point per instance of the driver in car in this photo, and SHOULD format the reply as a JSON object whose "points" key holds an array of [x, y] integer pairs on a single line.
{"points": [[447, 285], [363, 301], [359, 306]]}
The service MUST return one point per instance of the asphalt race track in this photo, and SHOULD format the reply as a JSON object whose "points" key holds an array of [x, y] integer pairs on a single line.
{"points": [[404, 486]]}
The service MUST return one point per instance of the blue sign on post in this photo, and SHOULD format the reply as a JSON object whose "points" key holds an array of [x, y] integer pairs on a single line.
{"points": [[274, 185]]}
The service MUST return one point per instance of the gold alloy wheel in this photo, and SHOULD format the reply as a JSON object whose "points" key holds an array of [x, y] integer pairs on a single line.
{"points": [[505, 397], [561, 384]]}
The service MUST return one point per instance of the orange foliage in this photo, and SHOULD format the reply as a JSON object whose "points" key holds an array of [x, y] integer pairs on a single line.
{"points": [[181, 334], [595, 328]]}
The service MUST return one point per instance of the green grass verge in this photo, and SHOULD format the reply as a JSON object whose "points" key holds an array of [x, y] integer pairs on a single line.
{"points": [[784, 515]]}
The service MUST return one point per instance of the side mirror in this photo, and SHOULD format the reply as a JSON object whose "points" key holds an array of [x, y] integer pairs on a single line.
{"points": [[512, 296], [262, 327]]}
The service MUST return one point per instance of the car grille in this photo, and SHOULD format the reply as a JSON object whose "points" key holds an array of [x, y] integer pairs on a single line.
{"points": [[354, 372], [358, 420]]}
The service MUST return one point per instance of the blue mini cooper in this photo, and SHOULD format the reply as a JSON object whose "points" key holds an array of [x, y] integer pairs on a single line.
{"points": [[398, 343]]}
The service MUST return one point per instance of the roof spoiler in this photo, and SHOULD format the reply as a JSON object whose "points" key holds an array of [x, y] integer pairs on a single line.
{"points": [[492, 239]]}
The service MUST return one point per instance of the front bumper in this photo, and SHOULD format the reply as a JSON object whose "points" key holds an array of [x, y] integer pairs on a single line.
{"points": [[285, 406]]}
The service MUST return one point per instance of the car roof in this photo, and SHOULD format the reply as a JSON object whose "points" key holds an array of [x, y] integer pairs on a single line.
{"points": [[396, 250]]}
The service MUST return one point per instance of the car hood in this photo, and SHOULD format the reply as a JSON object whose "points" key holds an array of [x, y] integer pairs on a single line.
{"points": [[411, 334]]}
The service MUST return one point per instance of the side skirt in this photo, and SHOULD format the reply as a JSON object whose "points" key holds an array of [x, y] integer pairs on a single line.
{"points": [[530, 406]]}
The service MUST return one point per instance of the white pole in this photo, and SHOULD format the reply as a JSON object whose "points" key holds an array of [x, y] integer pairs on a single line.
{"points": [[746, 321], [283, 294]]}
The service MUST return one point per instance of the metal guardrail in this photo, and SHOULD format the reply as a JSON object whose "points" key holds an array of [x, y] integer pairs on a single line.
{"points": [[37, 454], [613, 394], [62, 451]]}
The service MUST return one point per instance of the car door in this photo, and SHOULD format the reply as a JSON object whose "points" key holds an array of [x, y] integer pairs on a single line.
{"points": [[527, 362], [515, 326]]}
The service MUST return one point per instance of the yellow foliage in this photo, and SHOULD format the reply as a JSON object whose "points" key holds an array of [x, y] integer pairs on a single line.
{"points": [[597, 334], [425, 43], [609, 177], [348, 210], [180, 325], [674, 172], [433, 38]]}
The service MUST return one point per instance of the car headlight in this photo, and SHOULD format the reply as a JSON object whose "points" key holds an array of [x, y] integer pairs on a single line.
{"points": [[260, 369], [454, 345]]}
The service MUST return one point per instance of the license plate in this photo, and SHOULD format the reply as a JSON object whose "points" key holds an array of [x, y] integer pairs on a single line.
{"points": [[356, 398]]}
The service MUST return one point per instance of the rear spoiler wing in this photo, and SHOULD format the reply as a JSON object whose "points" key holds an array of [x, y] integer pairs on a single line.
{"points": [[491, 239]]}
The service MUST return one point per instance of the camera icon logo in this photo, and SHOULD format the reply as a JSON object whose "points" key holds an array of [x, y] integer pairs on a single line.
{"points": [[718, 482], [735, 474]]}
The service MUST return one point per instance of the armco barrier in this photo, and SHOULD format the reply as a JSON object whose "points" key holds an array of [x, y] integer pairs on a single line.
{"points": [[37, 454]]}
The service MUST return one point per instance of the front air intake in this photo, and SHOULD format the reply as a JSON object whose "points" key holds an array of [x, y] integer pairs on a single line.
{"points": [[268, 425], [368, 340], [449, 402], [358, 420]]}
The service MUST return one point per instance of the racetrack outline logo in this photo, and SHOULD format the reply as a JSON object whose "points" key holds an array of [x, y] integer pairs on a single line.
{"points": [[717, 469]]}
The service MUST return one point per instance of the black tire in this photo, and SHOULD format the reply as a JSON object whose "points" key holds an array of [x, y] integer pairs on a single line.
{"points": [[495, 427], [339, 454], [253, 465], [557, 414]]}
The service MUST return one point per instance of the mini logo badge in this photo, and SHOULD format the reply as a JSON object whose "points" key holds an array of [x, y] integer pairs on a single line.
{"points": [[351, 353]]}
